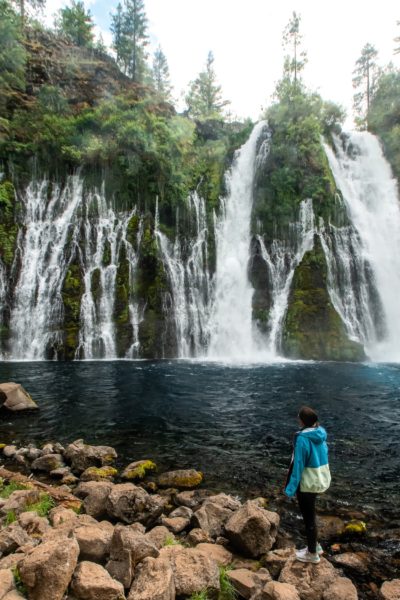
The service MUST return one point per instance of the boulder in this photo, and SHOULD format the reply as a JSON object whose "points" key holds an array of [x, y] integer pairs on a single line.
{"points": [[390, 590], [95, 495], [10, 451], [154, 580], [159, 536], [341, 589], [182, 511], [181, 479], [218, 553], [275, 560], [193, 570], [192, 499], [211, 518], [33, 524], [92, 582], [311, 581], [353, 561], [52, 562], [94, 541], [129, 503], [15, 398], [128, 548], [252, 529], [274, 590], [13, 595], [60, 515], [106, 473], [33, 453], [138, 469], [247, 582], [329, 526], [12, 538], [19, 500], [6, 582], [48, 462], [82, 456], [198, 536], [176, 524]]}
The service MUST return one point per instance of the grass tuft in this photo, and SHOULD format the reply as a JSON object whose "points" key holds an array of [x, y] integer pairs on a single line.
{"points": [[228, 591], [43, 507], [7, 490]]}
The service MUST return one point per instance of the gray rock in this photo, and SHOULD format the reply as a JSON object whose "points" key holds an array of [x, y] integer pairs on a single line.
{"points": [[82, 456], [15, 398], [252, 529], [129, 503], [95, 496], [48, 462], [94, 541], [10, 451]]}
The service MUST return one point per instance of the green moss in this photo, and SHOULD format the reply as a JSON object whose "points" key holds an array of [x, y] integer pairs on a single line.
{"points": [[124, 329], [133, 230], [19, 583], [7, 490], [101, 472], [8, 238], [72, 292], [313, 330], [106, 258], [140, 471], [357, 527], [11, 517]]}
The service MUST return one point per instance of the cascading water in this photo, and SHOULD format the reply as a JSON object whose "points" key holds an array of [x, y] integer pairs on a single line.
{"points": [[189, 280], [231, 316], [37, 313], [282, 260], [103, 233], [370, 193]]}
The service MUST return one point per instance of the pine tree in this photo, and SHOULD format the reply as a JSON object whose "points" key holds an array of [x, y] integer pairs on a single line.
{"points": [[129, 28], [204, 99], [35, 4], [161, 77], [12, 55], [296, 59], [117, 29], [365, 77], [77, 24]]}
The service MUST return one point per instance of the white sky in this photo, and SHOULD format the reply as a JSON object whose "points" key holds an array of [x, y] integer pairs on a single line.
{"points": [[245, 38]]}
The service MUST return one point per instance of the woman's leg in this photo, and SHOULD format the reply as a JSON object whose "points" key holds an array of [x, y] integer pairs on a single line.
{"points": [[306, 502]]}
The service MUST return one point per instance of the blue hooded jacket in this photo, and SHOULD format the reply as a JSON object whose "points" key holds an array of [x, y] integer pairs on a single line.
{"points": [[309, 468]]}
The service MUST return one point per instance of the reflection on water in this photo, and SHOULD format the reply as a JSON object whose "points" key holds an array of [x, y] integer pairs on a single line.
{"points": [[234, 423]]}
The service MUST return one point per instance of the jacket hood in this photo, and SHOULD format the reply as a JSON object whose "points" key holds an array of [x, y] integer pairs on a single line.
{"points": [[317, 435]]}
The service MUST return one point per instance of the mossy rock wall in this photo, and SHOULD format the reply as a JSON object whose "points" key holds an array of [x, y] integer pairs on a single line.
{"points": [[313, 330], [72, 293], [123, 326]]}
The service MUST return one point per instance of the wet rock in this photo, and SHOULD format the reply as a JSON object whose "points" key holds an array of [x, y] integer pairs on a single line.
{"points": [[138, 470], [95, 495], [181, 479], [193, 570], [192, 499], [159, 536], [130, 503], [252, 530], [198, 536], [11, 538], [15, 398], [92, 582], [274, 590], [221, 556], [33, 453], [128, 548], [48, 449], [354, 561], [176, 525], [33, 524], [275, 560], [341, 589], [329, 526], [10, 451], [311, 581], [154, 580], [390, 590], [6, 582], [50, 562], [48, 462], [94, 541], [99, 474], [82, 456]]}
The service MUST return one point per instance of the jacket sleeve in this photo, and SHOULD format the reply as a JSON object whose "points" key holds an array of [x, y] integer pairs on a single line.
{"points": [[299, 462]]}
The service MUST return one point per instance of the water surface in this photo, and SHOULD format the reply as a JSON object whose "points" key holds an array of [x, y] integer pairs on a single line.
{"points": [[235, 423]]}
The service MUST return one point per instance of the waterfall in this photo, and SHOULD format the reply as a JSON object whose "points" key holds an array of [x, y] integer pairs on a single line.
{"points": [[104, 231], [282, 260], [371, 197], [189, 279], [230, 325], [37, 312]]}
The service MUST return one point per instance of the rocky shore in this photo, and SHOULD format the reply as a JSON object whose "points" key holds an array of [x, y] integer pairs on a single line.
{"points": [[74, 528]]}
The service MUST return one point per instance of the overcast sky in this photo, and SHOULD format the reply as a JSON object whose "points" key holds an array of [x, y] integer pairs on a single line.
{"points": [[246, 39]]}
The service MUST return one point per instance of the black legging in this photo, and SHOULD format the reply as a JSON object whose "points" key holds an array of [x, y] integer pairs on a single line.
{"points": [[306, 502]]}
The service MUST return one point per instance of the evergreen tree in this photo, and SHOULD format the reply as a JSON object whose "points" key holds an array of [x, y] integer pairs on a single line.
{"points": [[12, 55], [204, 99], [365, 77], [129, 27], [22, 4], [296, 57], [77, 24], [161, 77]]}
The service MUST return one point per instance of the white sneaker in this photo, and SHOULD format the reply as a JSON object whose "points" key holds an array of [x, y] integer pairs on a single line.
{"points": [[305, 556], [319, 550]]}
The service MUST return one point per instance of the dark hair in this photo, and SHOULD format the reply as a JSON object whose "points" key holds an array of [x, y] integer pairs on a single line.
{"points": [[308, 416]]}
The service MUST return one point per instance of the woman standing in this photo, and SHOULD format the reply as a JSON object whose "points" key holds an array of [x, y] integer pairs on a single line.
{"points": [[308, 476]]}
